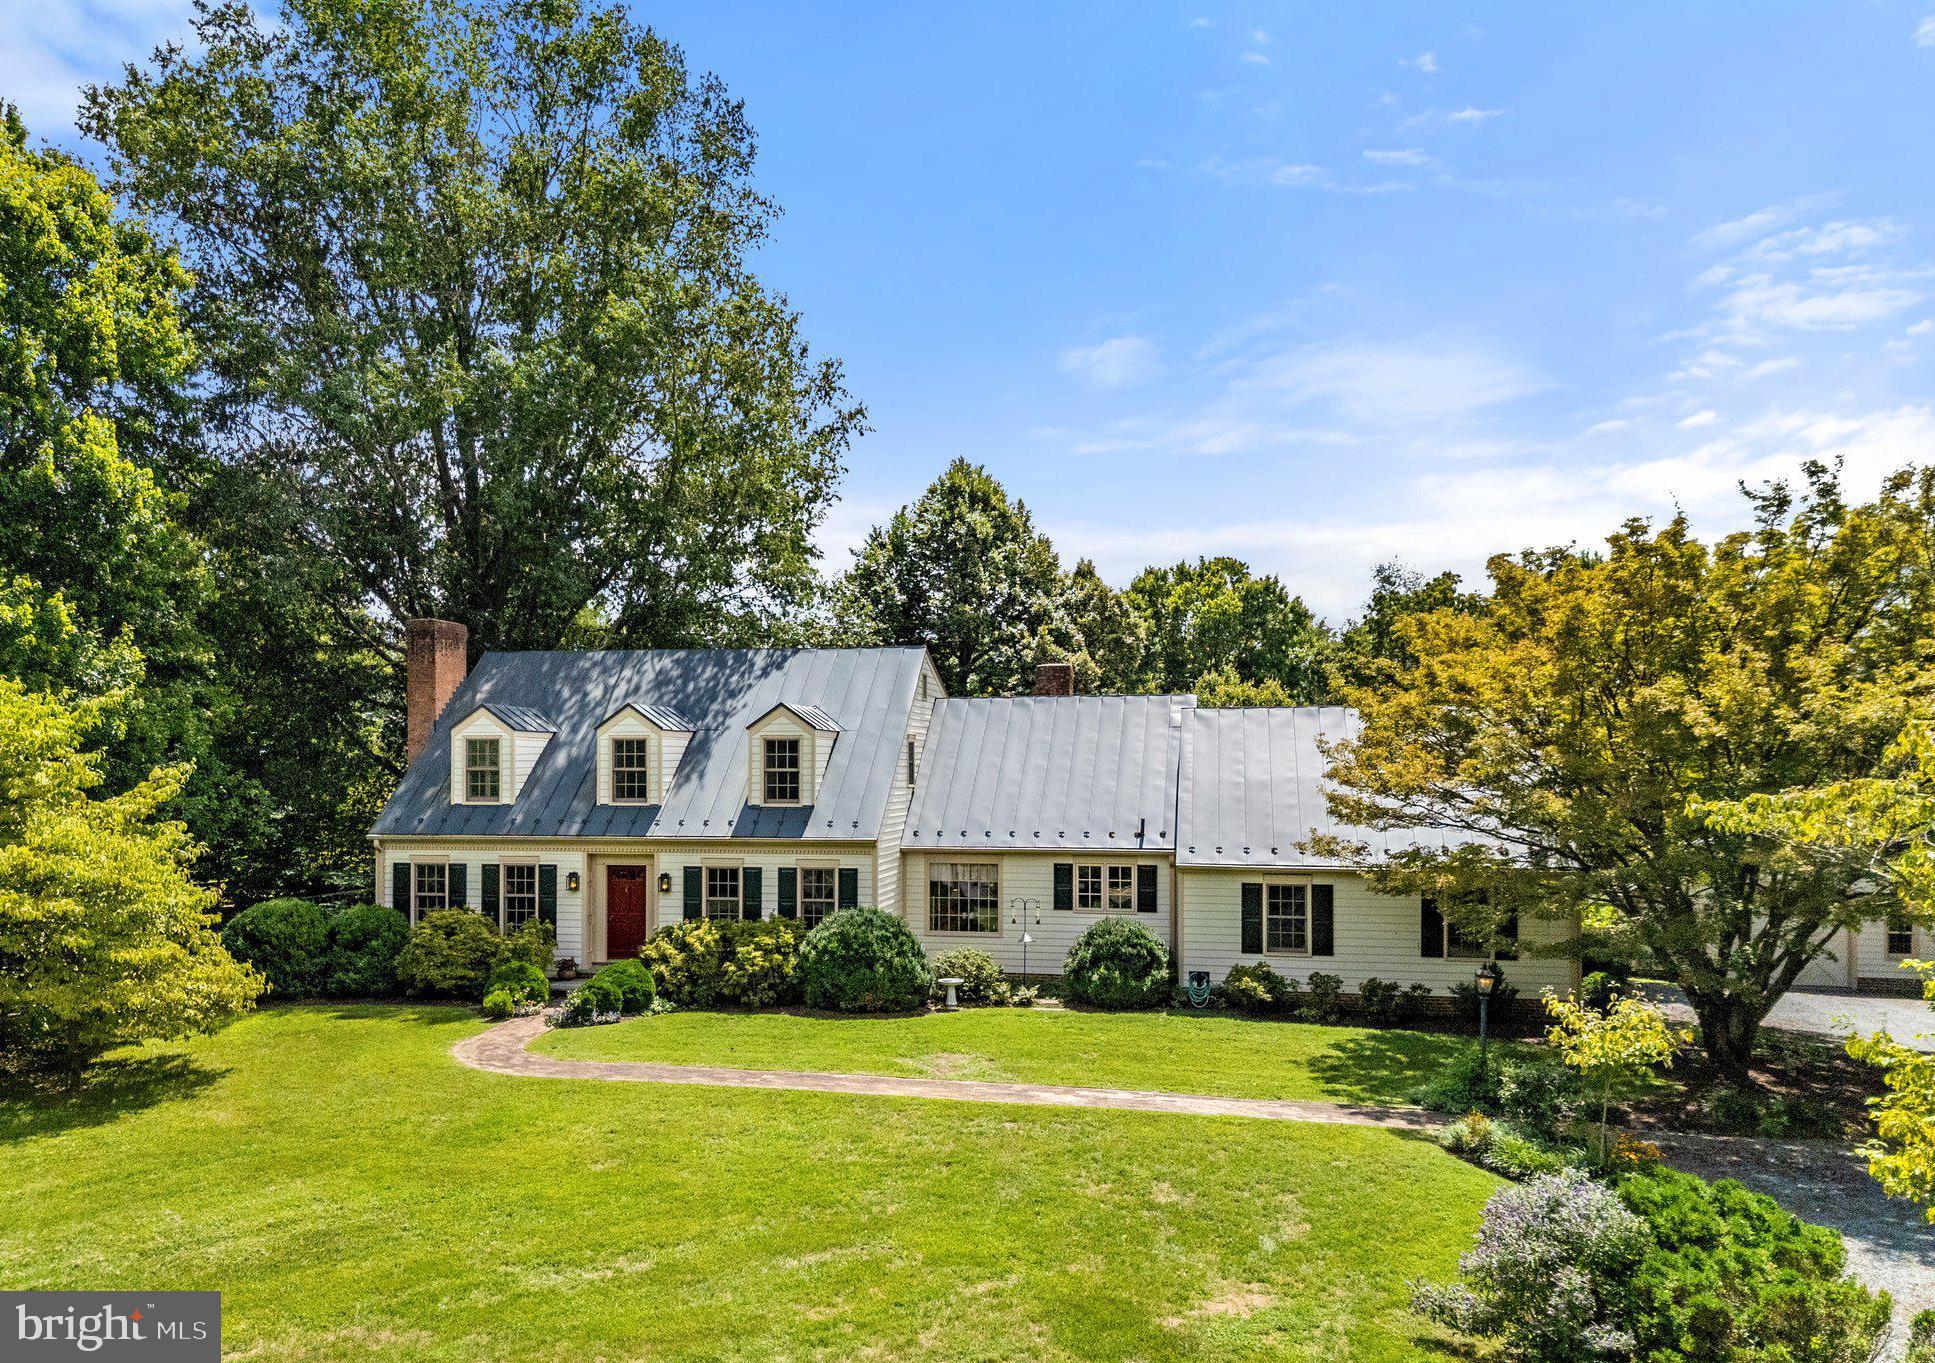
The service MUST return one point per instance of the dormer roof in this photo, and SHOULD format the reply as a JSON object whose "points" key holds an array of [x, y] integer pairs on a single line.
{"points": [[660, 716], [518, 718], [810, 715]]}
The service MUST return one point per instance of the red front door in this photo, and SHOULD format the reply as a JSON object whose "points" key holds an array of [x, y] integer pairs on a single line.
{"points": [[625, 910]]}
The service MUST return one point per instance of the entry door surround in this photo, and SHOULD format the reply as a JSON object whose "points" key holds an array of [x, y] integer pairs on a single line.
{"points": [[628, 909]]}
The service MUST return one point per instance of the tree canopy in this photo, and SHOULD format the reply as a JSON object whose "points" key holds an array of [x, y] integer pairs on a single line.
{"points": [[1569, 731], [1216, 619], [472, 287], [963, 571]]}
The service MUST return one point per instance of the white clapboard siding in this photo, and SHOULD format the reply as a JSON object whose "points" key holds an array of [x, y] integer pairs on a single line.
{"points": [[1376, 936], [890, 894], [1027, 876]]}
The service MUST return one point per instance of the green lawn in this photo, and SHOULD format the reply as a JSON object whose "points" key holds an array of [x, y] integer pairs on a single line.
{"points": [[1187, 1053], [356, 1194]]}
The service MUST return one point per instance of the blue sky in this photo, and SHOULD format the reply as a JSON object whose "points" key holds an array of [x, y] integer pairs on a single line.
{"points": [[1319, 285]]}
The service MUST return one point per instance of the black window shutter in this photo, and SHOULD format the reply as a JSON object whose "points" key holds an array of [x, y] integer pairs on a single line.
{"points": [[849, 887], [1431, 929], [400, 886], [1323, 920], [1508, 949], [752, 904], [1145, 889], [694, 893], [1252, 918], [789, 892], [548, 893], [457, 890], [1065, 885], [487, 889]]}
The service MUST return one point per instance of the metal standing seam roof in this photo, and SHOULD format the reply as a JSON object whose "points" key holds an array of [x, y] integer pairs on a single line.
{"points": [[1082, 772], [720, 691], [663, 716], [1253, 784], [812, 715], [520, 719]]}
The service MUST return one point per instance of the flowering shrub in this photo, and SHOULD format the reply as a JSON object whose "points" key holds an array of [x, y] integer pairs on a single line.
{"points": [[596, 1000], [762, 963], [1547, 1275]]}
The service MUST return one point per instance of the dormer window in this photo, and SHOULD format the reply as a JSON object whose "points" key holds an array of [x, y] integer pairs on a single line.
{"points": [[782, 770], [483, 769], [630, 770]]}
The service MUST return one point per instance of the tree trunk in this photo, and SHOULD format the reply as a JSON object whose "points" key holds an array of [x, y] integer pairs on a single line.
{"points": [[1728, 1026]]}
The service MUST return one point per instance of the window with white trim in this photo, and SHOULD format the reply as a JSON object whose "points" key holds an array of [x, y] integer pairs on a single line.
{"points": [[1286, 918], [430, 890], [819, 891], [1104, 889], [630, 770], [722, 893], [1901, 937], [782, 771], [963, 896], [520, 893], [483, 769]]}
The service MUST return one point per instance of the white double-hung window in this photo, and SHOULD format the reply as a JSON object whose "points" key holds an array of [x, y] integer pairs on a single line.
{"points": [[963, 896], [483, 769]]}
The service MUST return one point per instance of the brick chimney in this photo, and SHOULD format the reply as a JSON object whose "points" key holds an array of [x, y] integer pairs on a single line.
{"points": [[433, 668], [1054, 679]]}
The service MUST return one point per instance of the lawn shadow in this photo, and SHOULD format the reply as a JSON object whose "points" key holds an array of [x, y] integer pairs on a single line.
{"points": [[106, 1092], [1384, 1066], [426, 1011]]}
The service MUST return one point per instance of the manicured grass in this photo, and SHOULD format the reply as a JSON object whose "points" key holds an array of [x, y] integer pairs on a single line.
{"points": [[356, 1194], [1181, 1052]]}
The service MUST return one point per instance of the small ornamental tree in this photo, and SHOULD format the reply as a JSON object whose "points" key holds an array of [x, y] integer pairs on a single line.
{"points": [[1612, 1050], [104, 940]]}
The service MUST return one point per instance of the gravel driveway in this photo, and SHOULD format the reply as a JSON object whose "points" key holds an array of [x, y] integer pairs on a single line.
{"points": [[1909, 1021]]}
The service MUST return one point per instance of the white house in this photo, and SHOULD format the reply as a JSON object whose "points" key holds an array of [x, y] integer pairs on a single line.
{"points": [[611, 793]]}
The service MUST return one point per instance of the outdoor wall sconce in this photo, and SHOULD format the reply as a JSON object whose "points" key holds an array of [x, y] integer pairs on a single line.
{"points": [[665, 882], [571, 881]]}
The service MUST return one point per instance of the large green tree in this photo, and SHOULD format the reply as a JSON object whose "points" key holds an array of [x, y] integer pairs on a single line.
{"points": [[963, 571], [473, 287], [1372, 647], [1217, 623], [1567, 734], [104, 939], [100, 586]]}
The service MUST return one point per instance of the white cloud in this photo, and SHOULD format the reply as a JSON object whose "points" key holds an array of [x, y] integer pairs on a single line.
{"points": [[1608, 426], [48, 50], [1699, 419], [1726, 235], [1426, 62], [1830, 299], [1766, 367], [1394, 384], [1925, 32], [1259, 36], [1118, 362], [1405, 156], [1255, 59], [1263, 170], [1468, 114], [1923, 327], [1202, 21]]}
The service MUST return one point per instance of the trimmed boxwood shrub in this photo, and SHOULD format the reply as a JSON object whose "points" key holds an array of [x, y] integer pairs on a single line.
{"points": [[286, 939], [499, 1004], [864, 961], [593, 1001], [450, 954], [980, 976], [524, 982], [364, 940], [633, 983], [1117, 963]]}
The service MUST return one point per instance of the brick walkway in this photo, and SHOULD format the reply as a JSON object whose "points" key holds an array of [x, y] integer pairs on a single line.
{"points": [[502, 1050]]}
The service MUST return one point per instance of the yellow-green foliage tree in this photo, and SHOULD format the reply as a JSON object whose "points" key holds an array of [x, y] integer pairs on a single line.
{"points": [[1881, 827], [104, 939], [1564, 733], [1612, 1050]]}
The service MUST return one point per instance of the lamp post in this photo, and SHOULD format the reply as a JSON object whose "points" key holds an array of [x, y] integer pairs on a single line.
{"points": [[1025, 908], [1486, 981]]}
